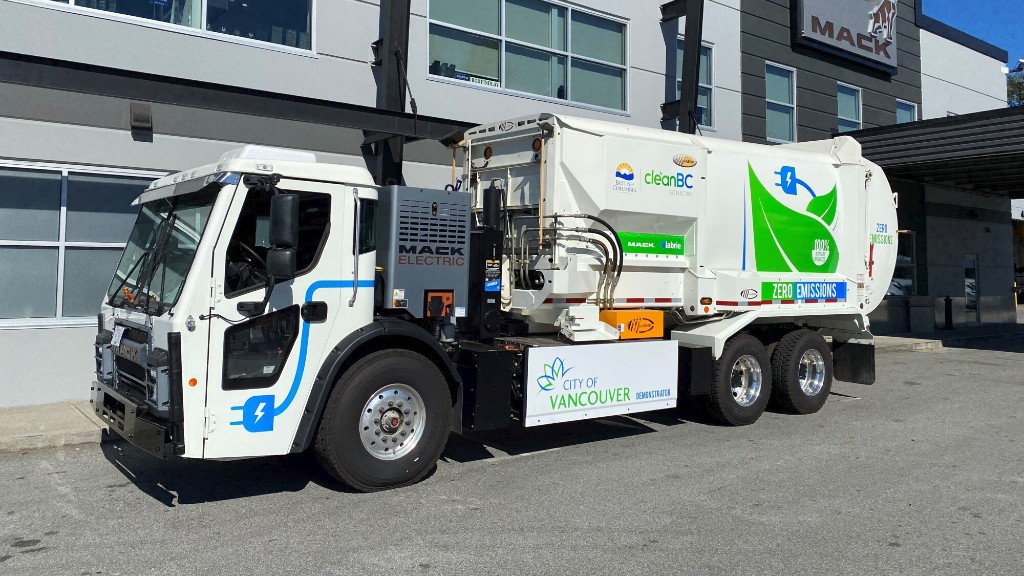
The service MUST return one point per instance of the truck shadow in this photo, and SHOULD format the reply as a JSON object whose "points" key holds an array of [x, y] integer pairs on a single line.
{"points": [[181, 481], [472, 447]]}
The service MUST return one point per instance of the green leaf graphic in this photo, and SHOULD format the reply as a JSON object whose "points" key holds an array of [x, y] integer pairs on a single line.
{"points": [[824, 207], [786, 240]]}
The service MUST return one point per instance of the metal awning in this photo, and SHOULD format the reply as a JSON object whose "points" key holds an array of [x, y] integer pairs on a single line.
{"points": [[981, 152]]}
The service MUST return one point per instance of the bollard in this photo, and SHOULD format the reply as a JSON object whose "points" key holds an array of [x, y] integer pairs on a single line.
{"points": [[949, 313]]}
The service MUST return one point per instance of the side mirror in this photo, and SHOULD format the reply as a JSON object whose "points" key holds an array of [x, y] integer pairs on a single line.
{"points": [[284, 221], [281, 263]]}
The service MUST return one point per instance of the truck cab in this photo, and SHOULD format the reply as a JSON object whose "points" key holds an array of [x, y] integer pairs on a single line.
{"points": [[235, 275]]}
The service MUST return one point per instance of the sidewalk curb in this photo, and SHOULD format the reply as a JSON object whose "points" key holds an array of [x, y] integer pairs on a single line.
{"points": [[918, 346], [51, 426]]}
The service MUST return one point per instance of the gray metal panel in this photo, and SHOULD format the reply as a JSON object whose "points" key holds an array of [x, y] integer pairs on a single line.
{"points": [[981, 151], [423, 245]]}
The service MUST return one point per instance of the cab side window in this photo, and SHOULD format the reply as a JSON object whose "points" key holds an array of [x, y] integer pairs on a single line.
{"points": [[250, 242]]}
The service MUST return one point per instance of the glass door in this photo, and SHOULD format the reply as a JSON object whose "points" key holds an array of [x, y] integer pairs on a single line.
{"points": [[971, 288]]}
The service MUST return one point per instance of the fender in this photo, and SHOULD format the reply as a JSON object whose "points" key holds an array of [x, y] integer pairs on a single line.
{"points": [[328, 373]]}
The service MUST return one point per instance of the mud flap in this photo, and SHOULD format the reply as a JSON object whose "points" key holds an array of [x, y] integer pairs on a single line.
{"points": [[853, 362]]}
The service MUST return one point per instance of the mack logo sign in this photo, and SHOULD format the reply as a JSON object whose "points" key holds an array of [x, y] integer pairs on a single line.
{"points": [[863, 29]]}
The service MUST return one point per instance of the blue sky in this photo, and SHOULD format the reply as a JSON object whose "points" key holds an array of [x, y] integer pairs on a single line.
{"points": [[999, 22]]}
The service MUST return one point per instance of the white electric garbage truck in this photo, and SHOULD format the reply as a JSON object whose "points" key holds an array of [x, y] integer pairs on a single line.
{"points": [[268, 303]]}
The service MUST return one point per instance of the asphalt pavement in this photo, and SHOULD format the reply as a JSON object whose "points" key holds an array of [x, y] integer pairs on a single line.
{"points": [[922, 473]]}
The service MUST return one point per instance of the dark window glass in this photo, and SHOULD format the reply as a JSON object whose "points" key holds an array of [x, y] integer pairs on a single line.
{"points": [[247, 250], [367, 226], [279, 21], [184, 12], [29, 205], [100, 207], [255, 351]]}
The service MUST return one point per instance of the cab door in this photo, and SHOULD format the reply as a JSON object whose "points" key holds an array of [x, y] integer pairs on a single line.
{"points": [[259, 374]]}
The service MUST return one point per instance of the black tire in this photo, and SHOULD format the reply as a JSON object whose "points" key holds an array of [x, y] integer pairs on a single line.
{"points": [[339, 446], [721, 403], [788, 394]]}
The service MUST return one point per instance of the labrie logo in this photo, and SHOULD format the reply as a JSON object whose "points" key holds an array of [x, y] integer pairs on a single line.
{"points": [[882, 21], [750, 294], [640, 325], [505, 126], [684, 161]]}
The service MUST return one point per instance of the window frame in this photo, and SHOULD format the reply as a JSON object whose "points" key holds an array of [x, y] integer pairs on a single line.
{"points": [[860, 107], [917, 114], [793, 105], [70, 7], [61, 244], [502, 38], [711, 76]]}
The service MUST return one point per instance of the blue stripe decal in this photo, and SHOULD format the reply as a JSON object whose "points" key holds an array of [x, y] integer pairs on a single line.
{"points": [[745, 231], [253, 417]]}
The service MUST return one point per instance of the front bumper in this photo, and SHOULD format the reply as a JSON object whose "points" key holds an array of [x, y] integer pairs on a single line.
{"points": [[131, 421]]}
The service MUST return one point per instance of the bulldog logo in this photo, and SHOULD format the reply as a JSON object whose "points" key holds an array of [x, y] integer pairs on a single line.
{"points": [[882, 20]]}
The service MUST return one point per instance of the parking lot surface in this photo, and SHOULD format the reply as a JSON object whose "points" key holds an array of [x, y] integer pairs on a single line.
{"points": [[922, 473]]}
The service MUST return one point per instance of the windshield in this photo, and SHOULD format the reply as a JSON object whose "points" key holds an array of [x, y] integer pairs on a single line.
{"points": [[160, 251]]}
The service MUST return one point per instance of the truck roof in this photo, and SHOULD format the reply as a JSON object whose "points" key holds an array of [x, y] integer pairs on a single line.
{"points": [[259, 160], [842, 148]]}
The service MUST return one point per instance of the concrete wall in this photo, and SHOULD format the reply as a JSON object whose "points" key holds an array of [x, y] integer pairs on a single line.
{"points": [[957, 80]]}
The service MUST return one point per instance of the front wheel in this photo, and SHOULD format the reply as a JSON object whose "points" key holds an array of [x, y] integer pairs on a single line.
{"points": [[743, 382], [386, 421]]}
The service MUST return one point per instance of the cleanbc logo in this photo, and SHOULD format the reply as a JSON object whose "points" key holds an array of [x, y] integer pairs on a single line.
{"points": [[677, 180], [624, 179]]}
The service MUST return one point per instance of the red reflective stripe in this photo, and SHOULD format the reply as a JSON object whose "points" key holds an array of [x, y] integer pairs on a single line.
{"points": [[662, 300], [810, 301], [727, 303], [575, 300], [831, 300], [788, 302], [635, 300], [549, 301]]}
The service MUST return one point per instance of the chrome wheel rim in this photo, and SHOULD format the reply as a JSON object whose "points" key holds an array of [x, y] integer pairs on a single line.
{"points": [[392, 422], [812, 372], [745, 380]]}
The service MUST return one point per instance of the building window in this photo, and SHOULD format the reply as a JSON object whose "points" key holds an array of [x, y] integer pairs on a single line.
{"points": [[532, 47], [62, 232], [284, 22], [849, 107], [780, 103], [705, 83], [905, 112]]}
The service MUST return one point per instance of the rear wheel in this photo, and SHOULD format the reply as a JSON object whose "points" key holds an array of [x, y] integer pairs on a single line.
{"points": [[802, 370], [386, 421], [743, 382]]}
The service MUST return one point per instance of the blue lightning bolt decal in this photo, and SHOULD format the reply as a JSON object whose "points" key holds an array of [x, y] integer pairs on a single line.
{"points": [[790, 183], [255, 416]]}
